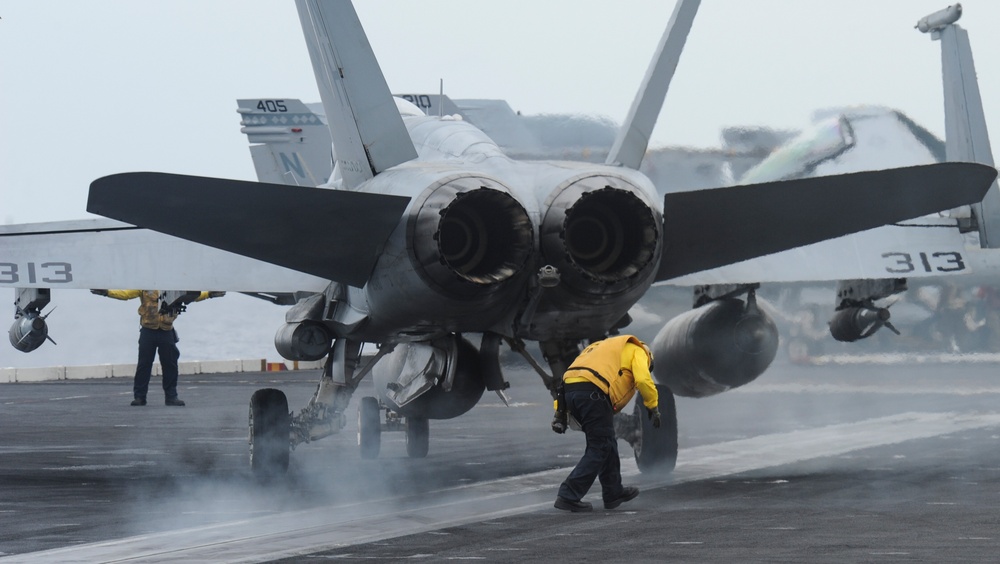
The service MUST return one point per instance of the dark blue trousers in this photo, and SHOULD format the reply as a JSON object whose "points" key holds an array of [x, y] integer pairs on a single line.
{"points": [[151, 342], [600, 460]]}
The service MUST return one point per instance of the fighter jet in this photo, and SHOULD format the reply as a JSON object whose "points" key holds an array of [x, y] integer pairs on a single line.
{"points": [[433, 245]]}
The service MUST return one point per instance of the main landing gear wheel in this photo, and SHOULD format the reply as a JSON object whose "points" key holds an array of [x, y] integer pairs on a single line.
{"points": [[418, 435], [369, 427], [656, 449], [270, 425]]}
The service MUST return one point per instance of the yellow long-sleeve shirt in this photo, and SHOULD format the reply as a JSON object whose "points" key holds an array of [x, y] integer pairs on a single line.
{"points": [[150, 316], [618, 366]]}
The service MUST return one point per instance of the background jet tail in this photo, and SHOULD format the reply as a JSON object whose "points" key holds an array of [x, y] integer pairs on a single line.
{"points": [[966, 138], [289, 140]]}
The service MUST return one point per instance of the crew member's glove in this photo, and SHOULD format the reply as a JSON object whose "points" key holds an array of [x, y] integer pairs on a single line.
{"points": [[216, 294], [99, 292], [654, 415], [560, 422]]}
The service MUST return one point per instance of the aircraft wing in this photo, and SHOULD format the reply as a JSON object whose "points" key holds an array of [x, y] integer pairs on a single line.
{"points": [[279, 224], [101, 253], [926, 247], [705, 229]]}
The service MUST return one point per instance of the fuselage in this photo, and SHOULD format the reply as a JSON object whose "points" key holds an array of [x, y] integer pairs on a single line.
{"points": [[479, 226]]}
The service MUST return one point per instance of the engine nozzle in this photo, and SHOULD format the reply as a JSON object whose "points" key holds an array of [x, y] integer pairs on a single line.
{"points": [[470, 233], [601, 234]]}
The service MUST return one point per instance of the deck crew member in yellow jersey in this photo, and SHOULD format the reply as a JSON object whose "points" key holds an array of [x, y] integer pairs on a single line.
{"points": [[598, 384], [156, 335]]}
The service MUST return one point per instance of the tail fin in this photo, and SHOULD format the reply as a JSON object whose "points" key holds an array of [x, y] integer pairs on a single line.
{"points": [[289, 141], [633, 138], [367, 131], [966, 138]]}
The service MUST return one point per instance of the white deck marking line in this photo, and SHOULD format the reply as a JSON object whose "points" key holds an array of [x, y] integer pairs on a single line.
{"points": [[301, 532]]}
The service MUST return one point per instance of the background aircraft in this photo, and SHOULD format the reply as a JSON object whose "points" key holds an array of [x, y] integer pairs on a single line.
{"points": [[430, 233], [854, 141]]}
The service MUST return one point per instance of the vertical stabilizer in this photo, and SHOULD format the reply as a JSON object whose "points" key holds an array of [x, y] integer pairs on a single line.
{"points": [[966, 138], [367, 131], [633, 138], [289, 141]]}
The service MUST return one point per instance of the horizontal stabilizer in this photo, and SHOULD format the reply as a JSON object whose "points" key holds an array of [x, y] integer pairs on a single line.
{"points": [[336, 235], [709, 228]]}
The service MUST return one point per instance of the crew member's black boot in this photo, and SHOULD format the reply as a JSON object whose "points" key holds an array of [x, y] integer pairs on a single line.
{"points": [[628, 494], [574, 506]]}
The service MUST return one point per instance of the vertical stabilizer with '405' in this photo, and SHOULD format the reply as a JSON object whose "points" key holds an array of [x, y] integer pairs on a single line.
{"points": [[289, 141]]}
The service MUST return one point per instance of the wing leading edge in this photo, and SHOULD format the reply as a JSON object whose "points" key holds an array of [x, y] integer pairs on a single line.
{"points": [[705, 229]]}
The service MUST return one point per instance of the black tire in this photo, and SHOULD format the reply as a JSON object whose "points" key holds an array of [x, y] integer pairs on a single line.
{"points": [[656, 449], [369, 427], [418, 437], [270, 425]]}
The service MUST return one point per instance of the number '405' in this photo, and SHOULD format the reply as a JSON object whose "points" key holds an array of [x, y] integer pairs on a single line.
{"points": [[272, 106]]}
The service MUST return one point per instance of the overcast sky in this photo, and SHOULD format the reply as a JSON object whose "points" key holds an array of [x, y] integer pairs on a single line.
{"points": [[104, 86]]}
